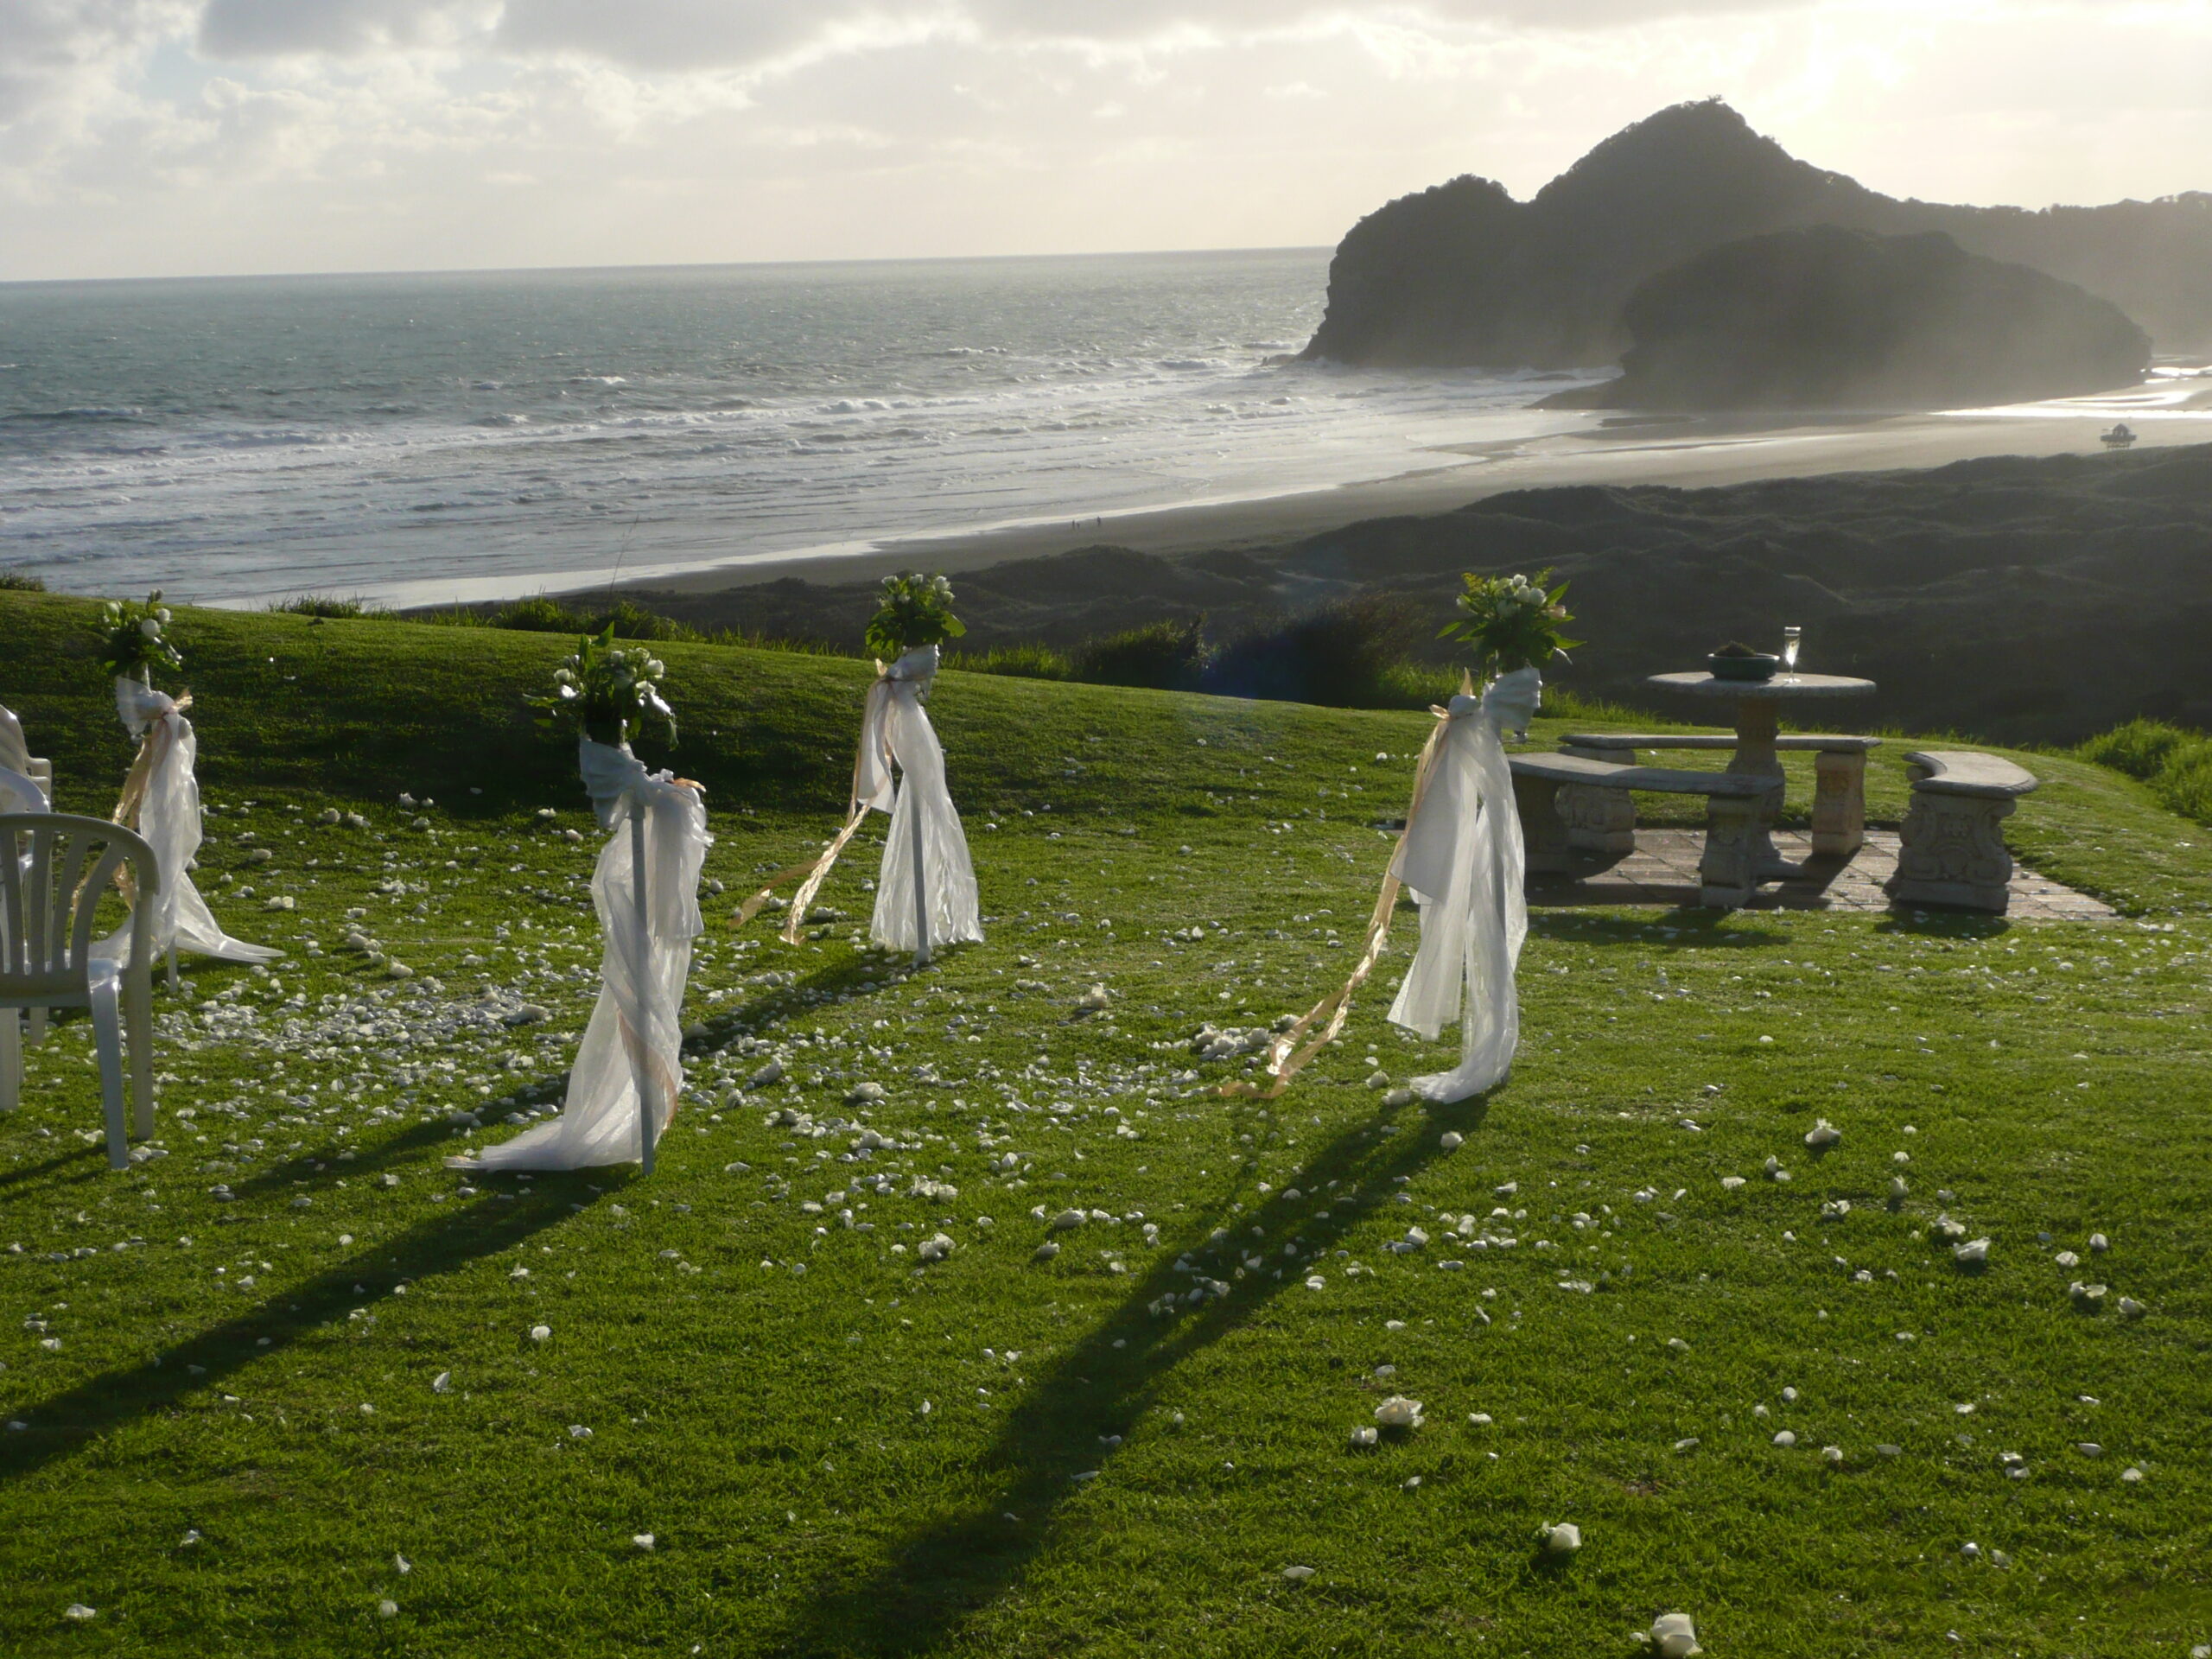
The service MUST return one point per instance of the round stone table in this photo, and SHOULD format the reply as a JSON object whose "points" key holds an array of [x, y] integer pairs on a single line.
{"points": [[1759, 720]]}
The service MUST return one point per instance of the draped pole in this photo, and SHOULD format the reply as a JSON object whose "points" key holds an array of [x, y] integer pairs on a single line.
{"points": [[146, 679], [921, 890], [639, 951]]}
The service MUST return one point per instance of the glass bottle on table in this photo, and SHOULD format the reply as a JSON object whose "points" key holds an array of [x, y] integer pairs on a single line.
{"points": [[1789, 641]]}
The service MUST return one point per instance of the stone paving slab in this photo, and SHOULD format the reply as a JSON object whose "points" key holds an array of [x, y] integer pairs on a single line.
{"points": [[1662, 871]]}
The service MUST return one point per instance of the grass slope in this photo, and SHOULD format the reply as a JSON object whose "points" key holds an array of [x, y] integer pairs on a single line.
{"points": [[231, 1435]]}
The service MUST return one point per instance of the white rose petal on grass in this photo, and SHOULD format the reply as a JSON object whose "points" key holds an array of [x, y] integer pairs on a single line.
{"points": [[1451, 1141], [77, 1610], [1562, 1540], [1363, 1438], [1822, 1135], [1673, 1636], [441, 1383], [1785, 1438], [1973, 1254], [1298, 1574], [642, 1540], [541, 1333], [1315, 1281], [1398, 1411]]}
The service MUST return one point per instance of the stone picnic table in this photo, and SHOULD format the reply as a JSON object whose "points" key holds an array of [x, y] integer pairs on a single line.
{"points": [[1758, 722]]}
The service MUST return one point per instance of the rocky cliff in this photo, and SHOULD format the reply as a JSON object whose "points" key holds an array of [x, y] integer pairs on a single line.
{"points": [[1825, 318], [1463, 274]]}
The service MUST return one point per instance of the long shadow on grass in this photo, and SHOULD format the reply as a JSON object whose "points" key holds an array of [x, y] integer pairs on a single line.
{"points": [[948, 1572], [72, 1421], [1685, 930]]}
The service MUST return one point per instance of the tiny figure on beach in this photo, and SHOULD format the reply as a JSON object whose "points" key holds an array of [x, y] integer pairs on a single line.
{"points": [[2118, 438]]}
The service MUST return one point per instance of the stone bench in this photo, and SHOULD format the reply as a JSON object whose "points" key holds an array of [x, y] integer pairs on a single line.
{"points": [[1549, 788], [1952, 850], [1839, 790]]}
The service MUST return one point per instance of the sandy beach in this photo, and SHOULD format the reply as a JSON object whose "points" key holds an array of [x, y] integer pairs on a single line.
{"points": [[1688, 453]]}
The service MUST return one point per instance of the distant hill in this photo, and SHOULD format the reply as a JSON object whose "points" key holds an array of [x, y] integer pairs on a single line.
{"points": [[1463, 274], [1821, 317], [2019, 600]]}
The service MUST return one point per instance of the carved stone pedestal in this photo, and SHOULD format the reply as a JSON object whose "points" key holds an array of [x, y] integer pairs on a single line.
{"points": [[1599, 822], [1544, 832], [1839, 803], [1735, 843], [1952, 852]]}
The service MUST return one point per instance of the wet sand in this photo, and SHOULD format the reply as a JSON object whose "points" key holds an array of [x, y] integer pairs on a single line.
{"points": [[1687, 452]]}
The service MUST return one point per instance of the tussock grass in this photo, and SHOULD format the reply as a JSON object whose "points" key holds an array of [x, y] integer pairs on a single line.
{"points": [[2175, 762], [1088, 1475]]}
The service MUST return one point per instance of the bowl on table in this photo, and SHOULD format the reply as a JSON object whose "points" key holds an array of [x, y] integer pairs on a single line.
{"points": [[1760, 665]]}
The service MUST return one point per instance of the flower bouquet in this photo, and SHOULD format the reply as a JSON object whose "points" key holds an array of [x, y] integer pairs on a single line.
{"points": [[1512, 622], [134, 639], [604, 691], [916, 610]]}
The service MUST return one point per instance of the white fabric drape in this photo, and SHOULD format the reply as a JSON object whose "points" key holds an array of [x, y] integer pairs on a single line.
{"points": [[1463, 861], [15, 750], [161, 801], [896, 729], [635, 1039]]}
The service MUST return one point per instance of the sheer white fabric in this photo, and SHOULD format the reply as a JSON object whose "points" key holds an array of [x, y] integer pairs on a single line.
{"points": [[896, 729], [15, 751], [633, 1049], [166, 811], [1464, 861]]}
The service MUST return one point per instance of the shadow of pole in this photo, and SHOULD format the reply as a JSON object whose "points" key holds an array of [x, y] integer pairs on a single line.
{"points": [[948, 1572], [70, 1421]]}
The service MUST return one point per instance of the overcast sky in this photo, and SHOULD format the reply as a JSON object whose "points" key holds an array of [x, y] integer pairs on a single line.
{"points": [[158, 138]]}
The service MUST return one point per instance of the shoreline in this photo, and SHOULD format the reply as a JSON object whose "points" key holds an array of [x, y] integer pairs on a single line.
{"points": [[1688, 453]]}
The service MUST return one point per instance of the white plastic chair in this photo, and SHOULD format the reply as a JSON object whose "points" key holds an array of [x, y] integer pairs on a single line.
{"points": [[53, 868]]}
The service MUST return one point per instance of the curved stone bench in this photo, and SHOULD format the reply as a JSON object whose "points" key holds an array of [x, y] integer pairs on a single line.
{"points": [[1839, 790], [1550, 791], [1952, 850]]}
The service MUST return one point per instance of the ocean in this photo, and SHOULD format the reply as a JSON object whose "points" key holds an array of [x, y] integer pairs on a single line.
{"points": [[415, 439]]}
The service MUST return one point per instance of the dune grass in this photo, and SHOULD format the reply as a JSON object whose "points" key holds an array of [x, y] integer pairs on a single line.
{"points": [[237, 1436]]}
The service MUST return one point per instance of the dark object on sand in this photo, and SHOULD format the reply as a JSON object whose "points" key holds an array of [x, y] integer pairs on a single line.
{"points": [[1823, 318], [1463, 274], [2118, 438]]}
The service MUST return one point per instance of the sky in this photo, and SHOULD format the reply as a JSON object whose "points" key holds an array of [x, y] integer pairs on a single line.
{"points": [[177, 138]]}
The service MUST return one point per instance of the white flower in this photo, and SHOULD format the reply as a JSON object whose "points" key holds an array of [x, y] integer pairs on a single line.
{"points": [[1822, 1134], [387, 1608], [1562, 1540], [161, 615], [1452, 1141], [541, 1333], [150, 628], [1398, 1411], [1673, 1636]]}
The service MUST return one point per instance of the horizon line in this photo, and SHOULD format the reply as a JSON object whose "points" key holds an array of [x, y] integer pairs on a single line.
{"points": [[677, 264]]}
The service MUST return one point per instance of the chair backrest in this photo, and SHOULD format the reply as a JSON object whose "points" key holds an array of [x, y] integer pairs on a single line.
{"points": [[50, 889], [20, 792]]}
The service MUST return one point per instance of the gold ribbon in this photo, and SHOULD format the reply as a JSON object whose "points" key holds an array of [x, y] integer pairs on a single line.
{"points": [[152, 748], [1290, 1053], [815, 870]]}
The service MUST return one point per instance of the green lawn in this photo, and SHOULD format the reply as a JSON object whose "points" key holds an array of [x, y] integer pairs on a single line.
{"points": [[232, 1432]]}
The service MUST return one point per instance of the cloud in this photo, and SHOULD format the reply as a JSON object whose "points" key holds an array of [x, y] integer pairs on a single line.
{"points": [[148, 136]]}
